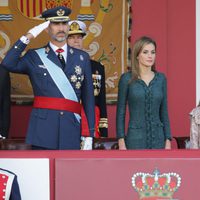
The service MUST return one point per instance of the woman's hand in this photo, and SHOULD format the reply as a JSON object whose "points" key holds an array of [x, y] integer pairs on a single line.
{"points": [[167, 144], [121, 143]]}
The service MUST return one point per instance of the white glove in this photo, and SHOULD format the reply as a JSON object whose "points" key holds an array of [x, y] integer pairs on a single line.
{"points": [[86, 143], [35, 31], [2, 137]]}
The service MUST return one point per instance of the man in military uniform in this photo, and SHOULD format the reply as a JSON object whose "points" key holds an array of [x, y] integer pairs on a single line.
{"points": [[61, 78], [4, 103], [77, 30], [9, 188]]}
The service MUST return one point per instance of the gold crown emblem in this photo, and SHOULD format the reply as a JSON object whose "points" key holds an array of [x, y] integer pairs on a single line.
{"points": [[74, 26], [156, 185], [60, 12]]}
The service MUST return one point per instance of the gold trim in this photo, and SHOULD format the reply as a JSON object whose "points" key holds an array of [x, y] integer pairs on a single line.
{"points": [[58, 19]]}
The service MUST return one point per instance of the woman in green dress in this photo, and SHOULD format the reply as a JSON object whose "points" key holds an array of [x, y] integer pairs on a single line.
{"points": [[145, 91]]}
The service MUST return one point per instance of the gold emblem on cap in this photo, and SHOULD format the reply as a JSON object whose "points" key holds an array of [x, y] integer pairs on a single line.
{"points": [[74, 26], [60, 12]]}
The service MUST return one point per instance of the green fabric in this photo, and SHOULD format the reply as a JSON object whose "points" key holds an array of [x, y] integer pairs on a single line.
{"points": [[148, 126]]}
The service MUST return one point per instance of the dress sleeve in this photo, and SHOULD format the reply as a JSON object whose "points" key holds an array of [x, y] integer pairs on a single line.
{"points": [[164, 112], [121, 104]]}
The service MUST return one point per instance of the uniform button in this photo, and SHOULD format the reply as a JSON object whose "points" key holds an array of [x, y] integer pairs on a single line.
{"points": [[45, 74], [61, 113]]}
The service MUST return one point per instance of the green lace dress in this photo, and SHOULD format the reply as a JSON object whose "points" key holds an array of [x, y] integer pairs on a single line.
{"points": [[148, 126]]}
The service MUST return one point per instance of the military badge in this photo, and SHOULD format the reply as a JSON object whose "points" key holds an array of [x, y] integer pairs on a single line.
{"points": [[78, 85], [47, 49], [73, 78], [96, 83], [60, 12], [42, 66], [81, 57], [77, 77], [78, 70], [71, 51]]}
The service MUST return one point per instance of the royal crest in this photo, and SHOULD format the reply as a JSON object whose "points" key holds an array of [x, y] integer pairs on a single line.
{"points": [[34, 8], [156, 186], [31, 8]]}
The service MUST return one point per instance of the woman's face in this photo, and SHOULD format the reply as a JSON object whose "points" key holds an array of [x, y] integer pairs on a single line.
{"points": [[146, 57]]}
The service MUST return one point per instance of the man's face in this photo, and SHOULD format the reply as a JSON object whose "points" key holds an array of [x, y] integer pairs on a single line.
{"points": [[58, 31], [75, 40]]}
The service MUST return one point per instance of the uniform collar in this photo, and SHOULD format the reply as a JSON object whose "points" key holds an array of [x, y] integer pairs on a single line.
{"points": [[54, 47]]}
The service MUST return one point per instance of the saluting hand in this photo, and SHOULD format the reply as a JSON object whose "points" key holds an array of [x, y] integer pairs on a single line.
{"points": [[35, 31]]}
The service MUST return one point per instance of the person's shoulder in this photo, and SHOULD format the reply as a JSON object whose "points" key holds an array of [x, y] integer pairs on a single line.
{"points": [[195, 113], [76, 51], [37, 48], [126, 76], [161, 76], [94, 62], [97, 65]]}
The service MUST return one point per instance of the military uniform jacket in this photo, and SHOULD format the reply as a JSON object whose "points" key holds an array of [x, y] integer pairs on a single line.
{"points": [[54, 129], [9, 188], [148, 126], [4, 102], [98, 75]]}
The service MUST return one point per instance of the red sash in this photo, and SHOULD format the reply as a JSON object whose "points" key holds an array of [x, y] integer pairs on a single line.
{"points": [[84, 123], [57, 104]]}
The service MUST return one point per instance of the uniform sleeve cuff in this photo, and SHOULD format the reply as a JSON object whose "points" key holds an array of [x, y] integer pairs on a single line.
{"points": [[24, 39]]}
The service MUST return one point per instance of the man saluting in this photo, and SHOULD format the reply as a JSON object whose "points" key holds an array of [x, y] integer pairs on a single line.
{"points": [[61, 78]]}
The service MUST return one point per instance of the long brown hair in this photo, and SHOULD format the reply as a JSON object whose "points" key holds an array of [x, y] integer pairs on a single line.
{"points": [[136, 49]]}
